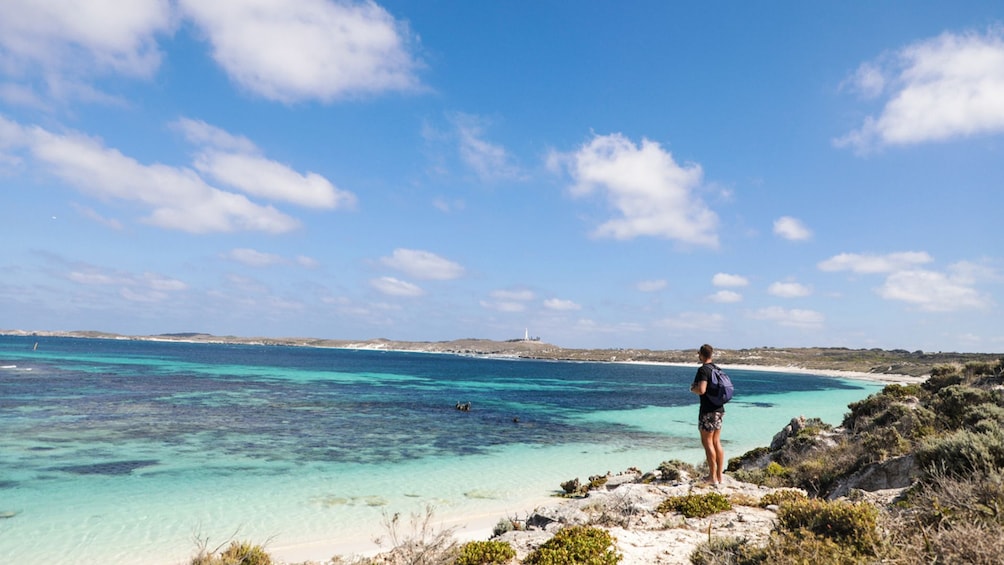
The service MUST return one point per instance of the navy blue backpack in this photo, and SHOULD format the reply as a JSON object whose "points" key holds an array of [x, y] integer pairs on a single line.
{"points": [[720, 389]]}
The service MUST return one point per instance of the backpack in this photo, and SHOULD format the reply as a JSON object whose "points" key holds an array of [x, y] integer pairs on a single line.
{"points": [[720, 389]]}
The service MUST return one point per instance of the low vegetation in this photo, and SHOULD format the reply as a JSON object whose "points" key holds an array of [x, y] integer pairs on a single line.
{"points": [[952, 427], [576, 545]]}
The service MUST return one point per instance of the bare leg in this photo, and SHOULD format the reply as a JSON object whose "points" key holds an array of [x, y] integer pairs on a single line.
{"points": [[716, 443], [710, 440]]}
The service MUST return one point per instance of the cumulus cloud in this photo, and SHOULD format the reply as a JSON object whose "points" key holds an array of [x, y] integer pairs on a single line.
{"points": [[395, 287], [652, 285], [55, 36], [652, 194], [795, 318], [870, 264], [561, 305], [791, 229], [933, 291], [947, 87], [726, 297], [788, 290], [236, 162], [177, 198], [297, 50], [423, 265], [727, 280]]}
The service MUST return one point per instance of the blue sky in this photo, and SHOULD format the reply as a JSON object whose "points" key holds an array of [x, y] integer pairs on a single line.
{"points": [[601, 174]]}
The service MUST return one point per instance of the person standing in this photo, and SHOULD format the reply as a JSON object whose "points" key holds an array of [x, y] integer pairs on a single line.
{"points": [[709, 420]]}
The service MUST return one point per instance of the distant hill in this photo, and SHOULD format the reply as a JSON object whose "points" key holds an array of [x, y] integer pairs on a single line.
{"points": [[877, 361]]}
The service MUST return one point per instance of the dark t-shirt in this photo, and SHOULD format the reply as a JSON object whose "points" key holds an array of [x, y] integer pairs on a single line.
{"points": [[704, 374]]}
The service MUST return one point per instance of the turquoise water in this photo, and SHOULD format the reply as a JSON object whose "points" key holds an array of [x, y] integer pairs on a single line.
{"points": [[128, 452]]}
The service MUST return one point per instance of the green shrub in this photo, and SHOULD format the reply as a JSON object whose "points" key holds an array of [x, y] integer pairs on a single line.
{"points": [[485, 553], [696, 505], [727, 551], [963, 452], [953, 403], [781, 497], [774, 475], [820, 472], [901, 392], [576, 545], [736, 463], [804, 547], [845, 523], [673, 470], [238, 553], [942, 377], [882, 444]]}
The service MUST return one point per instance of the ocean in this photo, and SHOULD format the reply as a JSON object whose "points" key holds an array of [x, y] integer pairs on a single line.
{"points": [[122, 452]]}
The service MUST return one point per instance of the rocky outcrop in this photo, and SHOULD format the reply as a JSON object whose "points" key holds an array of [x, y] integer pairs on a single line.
{"points": [[890, 477]]}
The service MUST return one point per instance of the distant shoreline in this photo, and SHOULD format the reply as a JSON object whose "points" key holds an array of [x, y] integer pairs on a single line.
{"points": [[890, 366]]}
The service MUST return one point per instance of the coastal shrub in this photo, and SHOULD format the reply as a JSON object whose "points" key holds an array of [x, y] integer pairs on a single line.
{"points": [[774, 475], [781, 497], [507, 525], [962, 452], [576, 545], [238, 553], [940, 378], [883, 443], [818, 473], [751, 457], [572, 487], [953, 403], [949, 519], [423, 544], [492, 552], [803, 547], [727, 551], [902, 392], [696, 505], [674, 469], [596, 481], [848, 524]]}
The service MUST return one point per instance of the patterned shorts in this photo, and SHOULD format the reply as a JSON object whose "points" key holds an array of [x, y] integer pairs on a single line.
{"points": [[710, 421]]}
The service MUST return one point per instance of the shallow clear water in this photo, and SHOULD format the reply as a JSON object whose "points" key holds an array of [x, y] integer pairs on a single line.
{"points": [[123, 452]]}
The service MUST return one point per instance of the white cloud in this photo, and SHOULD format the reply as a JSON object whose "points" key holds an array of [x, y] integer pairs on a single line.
{"points": [[177, 197], [652, 194], [297, 50], [561, 305], [489, 160], [867, 80], [395, 287], [307, 262], [933, 291], [727, 280], [146, 287], [870, 264], [651, 285], [423, 265], [503, 305], [236, 162], [942, 88], [523, 295], [254, 258], [56, 36], [788, 290], [726, 297], [803, 319], [791, 228]]}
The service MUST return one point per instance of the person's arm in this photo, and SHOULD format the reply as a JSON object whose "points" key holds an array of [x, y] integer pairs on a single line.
{"points": [[699, 387]]}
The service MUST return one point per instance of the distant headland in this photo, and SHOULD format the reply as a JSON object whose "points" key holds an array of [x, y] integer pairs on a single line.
{"points": [[872, 361]]}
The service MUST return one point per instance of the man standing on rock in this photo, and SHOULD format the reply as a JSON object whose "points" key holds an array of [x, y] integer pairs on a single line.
{"points": [[709, 420]]}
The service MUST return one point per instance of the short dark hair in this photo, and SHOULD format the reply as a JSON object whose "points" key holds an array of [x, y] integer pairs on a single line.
{"points": [[706, 351]]}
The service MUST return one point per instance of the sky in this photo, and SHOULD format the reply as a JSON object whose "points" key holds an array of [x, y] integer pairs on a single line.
{"points": [[639, 174]]}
